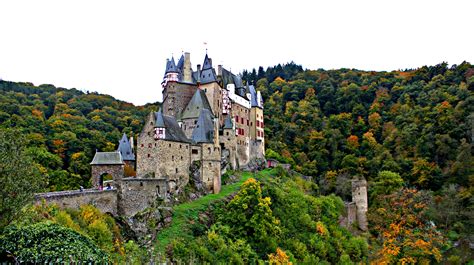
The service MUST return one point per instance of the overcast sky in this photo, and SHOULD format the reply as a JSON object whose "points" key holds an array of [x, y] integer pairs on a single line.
{"points": [[120, 47]]}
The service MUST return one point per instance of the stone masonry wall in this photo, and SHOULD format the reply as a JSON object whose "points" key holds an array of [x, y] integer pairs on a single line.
{"points": [[211, 166], [97, 170], [137, 194], [229, 141], [105, 201], [162, 158], [176, 97], [214, 96]]}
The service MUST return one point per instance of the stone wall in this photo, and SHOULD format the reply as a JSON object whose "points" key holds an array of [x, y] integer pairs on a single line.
{"points": [[228, 141], [162, 158], [214, 96], [176, 97], [97, 170], [105, 200], [188, 127], [136, 194], [257, 149]]}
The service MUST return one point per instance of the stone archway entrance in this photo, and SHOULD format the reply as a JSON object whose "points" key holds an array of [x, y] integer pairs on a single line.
{"points": [[105, 163]]}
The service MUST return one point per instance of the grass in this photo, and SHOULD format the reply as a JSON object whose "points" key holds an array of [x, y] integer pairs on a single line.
{"points": [[183, 213]]}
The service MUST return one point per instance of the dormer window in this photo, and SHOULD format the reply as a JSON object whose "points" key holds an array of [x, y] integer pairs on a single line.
{"points": [[160, 133]]}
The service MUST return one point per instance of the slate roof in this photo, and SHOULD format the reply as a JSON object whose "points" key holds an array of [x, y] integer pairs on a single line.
{"points": [[180, 65], [173, 131], [107, 158], [208, 74], [228, 124], [171, 66], [125, 149], [204, 131], [197, 103], [254, 99], [159, 119]]}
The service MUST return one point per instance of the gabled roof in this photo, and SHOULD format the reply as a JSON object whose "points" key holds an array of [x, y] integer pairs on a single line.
{"points": [[107, 158], [204, 131], [171, 66], [197, 103], [173, 131], [125, 149], [228, 124]]}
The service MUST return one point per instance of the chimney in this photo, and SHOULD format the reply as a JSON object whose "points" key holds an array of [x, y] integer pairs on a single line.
{"points": [[198, 74], [187, 68], [219, 69]]}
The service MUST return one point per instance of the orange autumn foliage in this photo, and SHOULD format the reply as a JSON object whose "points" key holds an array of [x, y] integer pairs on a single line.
{"points": [[279, 258]]}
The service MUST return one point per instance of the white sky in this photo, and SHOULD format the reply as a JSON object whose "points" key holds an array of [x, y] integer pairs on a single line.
{"points": [[120, 47]]}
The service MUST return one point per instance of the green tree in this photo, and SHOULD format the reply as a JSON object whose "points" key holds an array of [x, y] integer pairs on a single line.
{"points": [[386, 183], [19, 177]]}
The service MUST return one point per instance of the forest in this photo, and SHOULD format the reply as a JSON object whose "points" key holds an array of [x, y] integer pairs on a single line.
{"points": [[409, 133]]}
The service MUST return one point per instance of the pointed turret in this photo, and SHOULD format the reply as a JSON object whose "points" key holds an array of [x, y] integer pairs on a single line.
{"points": [[125, 148], [180, 64], [207, 63], [171, 66], [208, 74]]}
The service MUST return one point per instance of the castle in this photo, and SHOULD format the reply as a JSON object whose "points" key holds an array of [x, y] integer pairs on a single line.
{"points": [[208, 118], [209, 122]]}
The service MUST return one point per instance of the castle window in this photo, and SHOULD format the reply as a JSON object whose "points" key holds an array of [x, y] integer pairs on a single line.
{"points": [[142, 145], [195, 122], [169, 145], [209, 150], [155, 144], [149, 145], [172, 158], [141, 184], [181, 158], [180, 146], [194, 152], [148, 155], [247, 122], [176, 170], [227, 133], [186, 147], [211, 165]]}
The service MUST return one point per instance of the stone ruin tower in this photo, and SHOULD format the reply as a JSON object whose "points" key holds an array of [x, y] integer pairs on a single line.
{"points": [[359, 197]]}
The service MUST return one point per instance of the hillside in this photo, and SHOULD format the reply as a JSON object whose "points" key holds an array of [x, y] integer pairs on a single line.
{"points": [[64, 127], [409, 133]]}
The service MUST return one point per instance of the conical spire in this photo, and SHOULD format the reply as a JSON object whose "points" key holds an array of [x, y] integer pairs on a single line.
{"points": [[125, 148], [171, 66], [207, 63]]}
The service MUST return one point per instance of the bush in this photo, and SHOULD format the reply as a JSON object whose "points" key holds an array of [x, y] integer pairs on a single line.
{"points": [[47, 242]]}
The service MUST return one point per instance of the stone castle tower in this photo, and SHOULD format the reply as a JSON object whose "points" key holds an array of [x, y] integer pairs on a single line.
{"points": [[359, 197]]}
